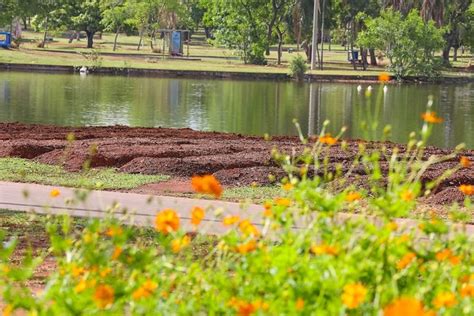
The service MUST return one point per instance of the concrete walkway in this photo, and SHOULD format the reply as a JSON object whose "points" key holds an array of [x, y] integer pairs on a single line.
{"points": [[136, 209]]}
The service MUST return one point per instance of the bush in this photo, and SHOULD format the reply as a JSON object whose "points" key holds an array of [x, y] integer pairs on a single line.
{"points": [[408, 42], [298, 67]]}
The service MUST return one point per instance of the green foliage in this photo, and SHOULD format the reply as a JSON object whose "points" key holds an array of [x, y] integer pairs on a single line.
{"points": [[20, 170], [408, 42], [298, 67]]}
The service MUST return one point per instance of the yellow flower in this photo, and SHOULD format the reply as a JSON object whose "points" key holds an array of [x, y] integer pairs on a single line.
{"points": [[8, 310], [248, 229], [393, 226], [353, 196], [117, 252], [231, 220], [299, 304], [268, 210], [467, 189], [144, 291], [247, 247], [407, 196], [354, 295], [465, 162], [54, 193], [167, 221], [324, 250], [445, 299], [467, 290], [328, 140], [287, 186], [78, 271], [104, 296], [283, 202], [81, 286], [384, 77], [431, 117], [197, 215], [104, 273], [406, 260], [208, 185], [406, 306], [180, 243]]}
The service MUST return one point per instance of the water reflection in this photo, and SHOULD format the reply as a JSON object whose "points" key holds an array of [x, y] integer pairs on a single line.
{"points": [[247, 107]]}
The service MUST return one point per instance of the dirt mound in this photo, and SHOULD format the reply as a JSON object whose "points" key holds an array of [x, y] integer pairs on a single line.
{"points": [[235, 159]]}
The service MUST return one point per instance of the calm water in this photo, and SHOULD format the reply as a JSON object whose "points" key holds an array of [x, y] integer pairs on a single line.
{"points": [[247, 107]]}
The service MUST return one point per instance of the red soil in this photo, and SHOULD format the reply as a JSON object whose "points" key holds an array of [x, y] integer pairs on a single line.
{"points": [[236, 160]]}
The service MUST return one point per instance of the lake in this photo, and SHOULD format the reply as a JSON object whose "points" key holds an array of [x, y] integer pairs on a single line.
{"points": [[246, 107]]}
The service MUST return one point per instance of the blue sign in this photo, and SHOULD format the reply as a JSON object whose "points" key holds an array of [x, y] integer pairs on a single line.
{"points": [[5, 39]]}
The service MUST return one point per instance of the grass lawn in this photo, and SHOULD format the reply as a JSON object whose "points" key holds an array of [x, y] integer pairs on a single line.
{"points": [[208, 58], [27, 171]]}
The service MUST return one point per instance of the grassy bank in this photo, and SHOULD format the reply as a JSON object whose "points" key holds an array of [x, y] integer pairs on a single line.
{"points": [[203, 57]]}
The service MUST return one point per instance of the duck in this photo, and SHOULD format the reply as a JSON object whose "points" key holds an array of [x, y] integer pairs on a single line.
{"points": [[370, 89], [359, 88], [83, 70], [385, 89]]}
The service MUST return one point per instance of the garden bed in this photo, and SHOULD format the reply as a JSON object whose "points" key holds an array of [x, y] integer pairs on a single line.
{"points": [[235, 160]]}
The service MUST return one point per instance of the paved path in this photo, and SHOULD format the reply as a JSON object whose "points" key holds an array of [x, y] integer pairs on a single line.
{"points": [[133, 208]]}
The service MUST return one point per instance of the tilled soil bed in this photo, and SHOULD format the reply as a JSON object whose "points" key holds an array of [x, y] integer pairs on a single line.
{"points": [[235, 160]]}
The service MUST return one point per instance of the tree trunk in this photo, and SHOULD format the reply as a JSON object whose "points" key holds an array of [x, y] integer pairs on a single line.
{"points": [[446, 51], [115, 39], [141, 40], [373, 58], [455, 56], [90, 39], [363, 52], [25, 23]]}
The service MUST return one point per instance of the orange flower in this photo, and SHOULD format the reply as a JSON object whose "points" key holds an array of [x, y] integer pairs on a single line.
{"points": [[283, 202], [8, 310], [78, 271], [288, 186], [354, 295], [167, 221], [431, 117], [231, 220], [104, 296], [299, 304], [114, 231], [180, 243], [268, 210], [406, 306], [54, 193], [353, 196], [328, 140], [144, 291], [246, 309], [324, 250], [207, 185], [445, 299], [247, 247], [117, 252], [467, 189], [197, 215], [407, 196], [80, 287], [444, 255], [406, 260], [467, 290], [384, 77], [248, 229], [465, 162]]}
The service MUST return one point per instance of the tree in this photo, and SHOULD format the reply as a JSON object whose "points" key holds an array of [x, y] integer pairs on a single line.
{"points": [[81, 15], [116, 14], [408, 42]]}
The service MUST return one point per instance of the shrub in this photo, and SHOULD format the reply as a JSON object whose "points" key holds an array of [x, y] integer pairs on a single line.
{"points": [[298, 67]]}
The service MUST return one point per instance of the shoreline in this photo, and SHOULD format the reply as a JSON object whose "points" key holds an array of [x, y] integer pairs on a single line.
{"points": [[203, 74]]}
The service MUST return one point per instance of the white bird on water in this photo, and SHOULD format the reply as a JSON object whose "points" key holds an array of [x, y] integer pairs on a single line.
{"points": [[370, 89], [359, 88], [385, 89], [83, 70]]}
